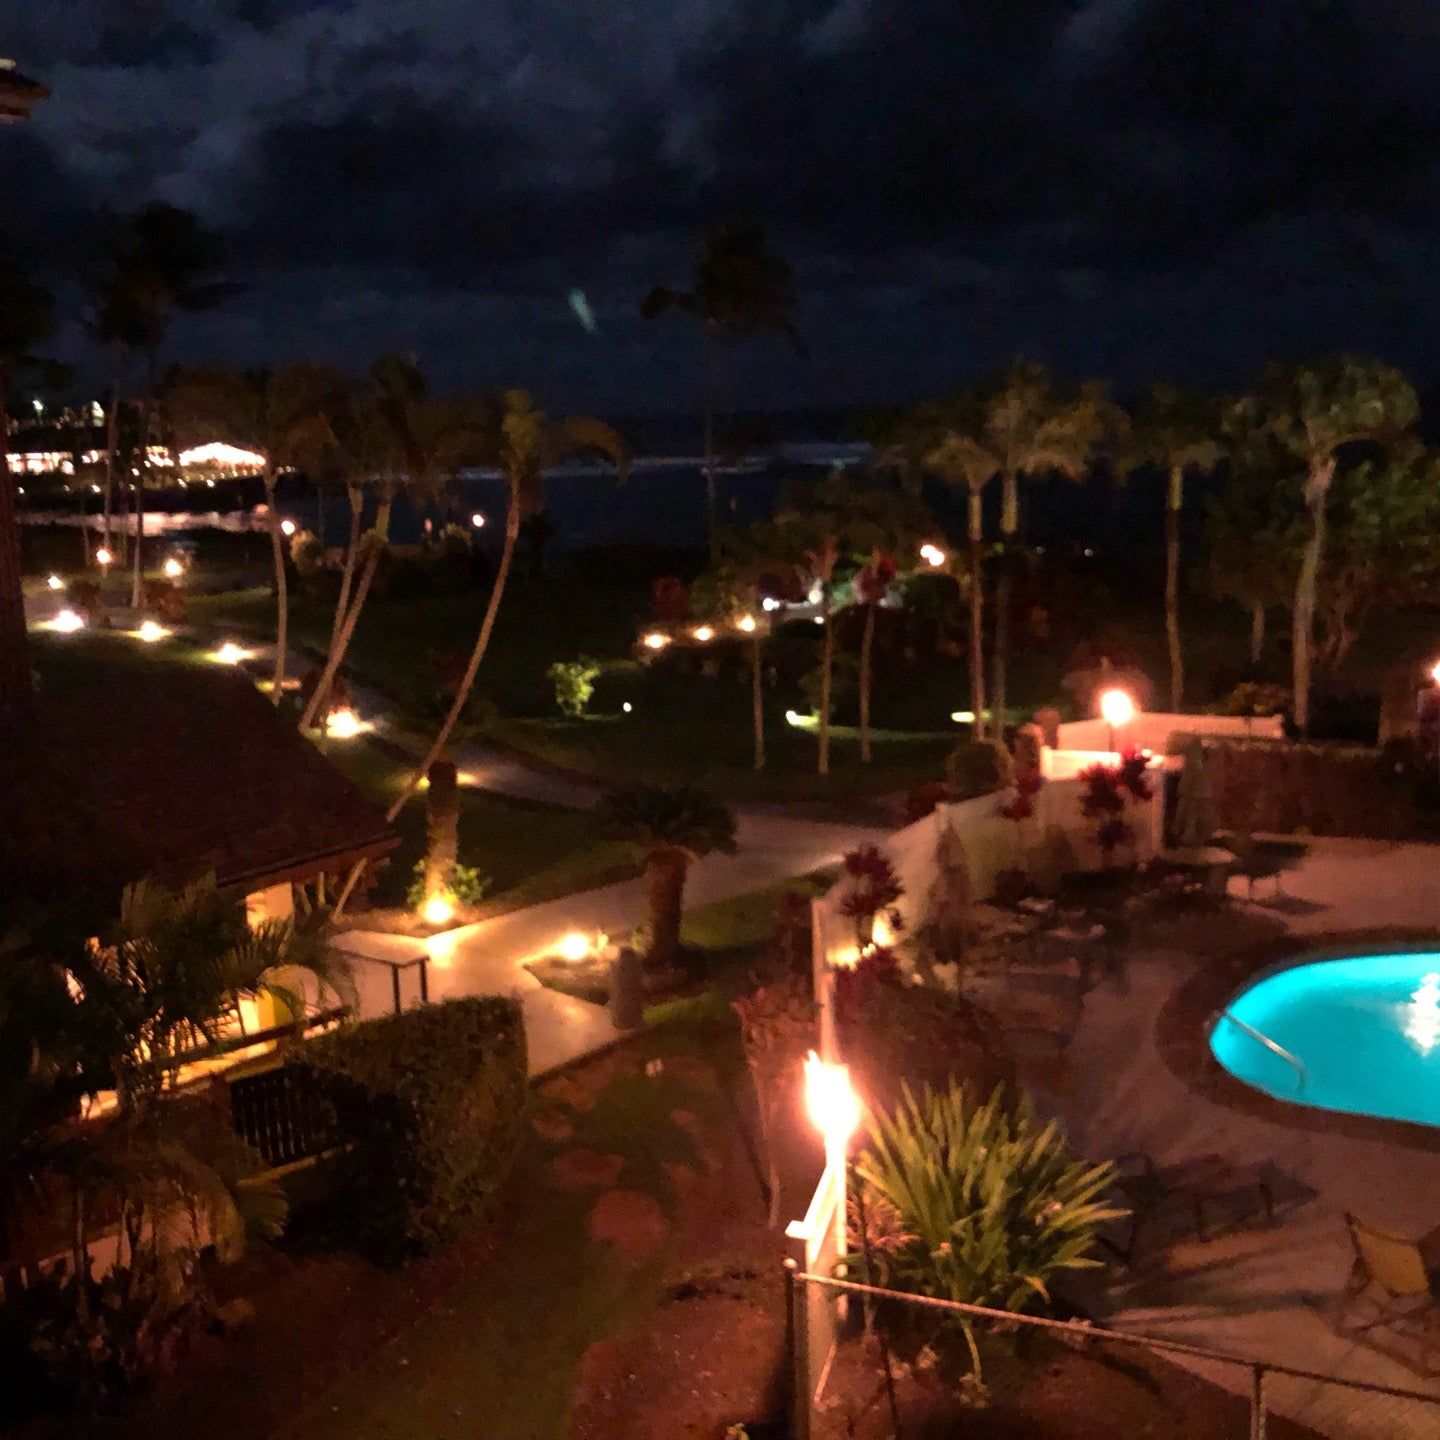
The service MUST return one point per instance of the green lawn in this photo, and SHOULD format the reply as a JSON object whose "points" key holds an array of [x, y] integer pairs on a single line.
{"points": [[530, 852]]}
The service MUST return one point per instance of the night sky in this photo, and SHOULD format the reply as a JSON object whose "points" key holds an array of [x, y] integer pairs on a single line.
{"points": [[1133, 188]]}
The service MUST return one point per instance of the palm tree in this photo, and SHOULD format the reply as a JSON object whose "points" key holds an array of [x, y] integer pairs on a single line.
{"points": [[1175, 432], [1314, 412], [961, 457], [732, 594], [159, 261], [387, 433], [529, 442], [1031, 429], [739, 290], [26, 314], [282, 414], [670, 829]]}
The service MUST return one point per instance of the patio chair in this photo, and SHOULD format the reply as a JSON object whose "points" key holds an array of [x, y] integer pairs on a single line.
{"points": [[1262, 859], [1390, 1289], [1198, 1185]]}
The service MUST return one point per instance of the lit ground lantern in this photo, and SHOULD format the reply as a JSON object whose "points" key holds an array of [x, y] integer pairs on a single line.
{"points": [[343, 724], [655, 640], [574, 946], [232, 654], [151, 631], [103, 557], [703, 633], [438, 910], [478, 520], [932, 555], [174, 568], [746, 624], [1117, 709], [54, 582], [287, 528], [67, 621]]}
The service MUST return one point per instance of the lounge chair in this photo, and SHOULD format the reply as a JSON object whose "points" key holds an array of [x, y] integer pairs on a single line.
{"points": [[1390, 1289], [1195, 1185]]}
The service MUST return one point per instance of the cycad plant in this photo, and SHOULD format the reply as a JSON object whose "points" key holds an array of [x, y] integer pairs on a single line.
{"points": [[670, 829], [980, 1204]]}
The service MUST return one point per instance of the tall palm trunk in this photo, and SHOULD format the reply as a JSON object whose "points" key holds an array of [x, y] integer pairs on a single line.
{"points": [[712, 489], [347, 575], [1009, 534], [472, 667], [341, 642], [757, 701], [867, 646], [1174, 499], [14, 643], [827, 664], [977, 613], [111, 440], [282, 584], [1257, 631], [666, 868], [1317, 493], [144, 468], [135, 558]]}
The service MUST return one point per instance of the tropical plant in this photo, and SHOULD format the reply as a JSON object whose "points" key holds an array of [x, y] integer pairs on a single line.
{"points": [[1175, 432], [1030, 429], [980, 1204], [527, 442], [959, 457], [283, 415], [739, 290], [843, 518], [1254, 526], [26, 316], [159, 261], [173, 969], [386, 433], [732, 592], [574, 682], [670, 829], [79, 1017], [1314, 412]]}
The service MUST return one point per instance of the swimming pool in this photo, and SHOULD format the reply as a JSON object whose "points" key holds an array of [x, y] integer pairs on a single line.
{"points": [[1359, 1034]]}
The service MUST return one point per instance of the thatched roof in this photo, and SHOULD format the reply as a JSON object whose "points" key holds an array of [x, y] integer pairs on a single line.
{"points": [[117, 772]]}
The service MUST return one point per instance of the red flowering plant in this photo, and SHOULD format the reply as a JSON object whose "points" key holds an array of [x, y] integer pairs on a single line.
{"points": [[1021, 804], [873, 889], [1108, 791], [873, 580]]}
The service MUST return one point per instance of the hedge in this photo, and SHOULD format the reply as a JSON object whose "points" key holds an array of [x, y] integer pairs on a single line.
{"points": [[1299, 787], [428, 1113]]}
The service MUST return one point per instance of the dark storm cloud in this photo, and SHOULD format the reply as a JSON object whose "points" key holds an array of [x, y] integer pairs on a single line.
{"points": [[1107, 182]]}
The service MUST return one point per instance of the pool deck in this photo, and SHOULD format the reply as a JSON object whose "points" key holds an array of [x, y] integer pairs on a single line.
{"points": [[1261, 1291]]}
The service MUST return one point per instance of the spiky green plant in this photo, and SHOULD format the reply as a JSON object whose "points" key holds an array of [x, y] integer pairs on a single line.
{"points": [[980, 1204]]}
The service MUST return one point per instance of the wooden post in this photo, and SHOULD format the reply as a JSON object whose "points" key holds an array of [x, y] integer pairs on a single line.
{"points": [[797, 1347]]}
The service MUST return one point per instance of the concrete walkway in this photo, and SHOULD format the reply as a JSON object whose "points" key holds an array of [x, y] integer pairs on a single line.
{"points": [[489, 958], [1261, 1291]]}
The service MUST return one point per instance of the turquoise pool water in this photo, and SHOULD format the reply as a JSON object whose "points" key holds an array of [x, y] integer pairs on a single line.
{"points": [[1366, 1030]]}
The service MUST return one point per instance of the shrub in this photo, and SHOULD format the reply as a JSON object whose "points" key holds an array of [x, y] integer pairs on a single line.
{"points": [[979, 1204], [574, 682], [467, 886], [978, 767], [1255, 697], [429, 1109]]}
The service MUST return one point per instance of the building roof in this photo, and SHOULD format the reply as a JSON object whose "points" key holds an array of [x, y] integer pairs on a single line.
{"points": [[117, 772]]}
